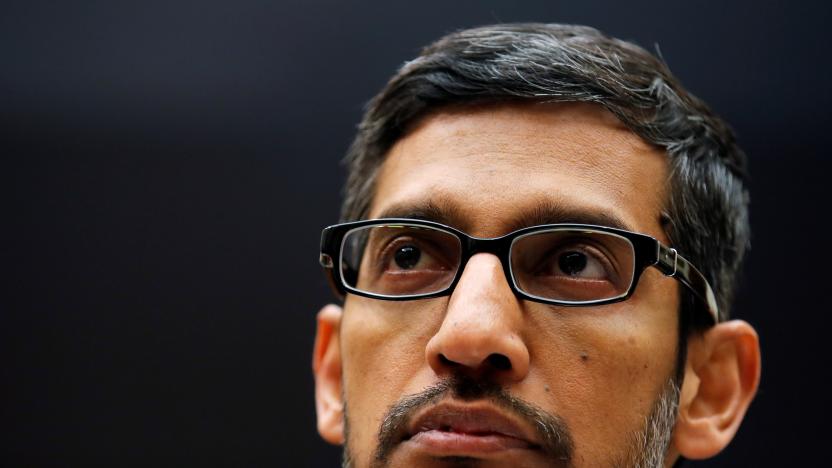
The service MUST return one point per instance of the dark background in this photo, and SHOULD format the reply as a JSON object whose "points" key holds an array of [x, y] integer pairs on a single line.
{"points": [[171, 164]]}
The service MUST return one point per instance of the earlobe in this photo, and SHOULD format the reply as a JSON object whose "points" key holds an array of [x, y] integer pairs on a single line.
{"points": [[721, 378], [326, 365]]}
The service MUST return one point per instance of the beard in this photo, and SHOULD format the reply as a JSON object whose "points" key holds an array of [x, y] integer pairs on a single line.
{"points": [[646, 446]]}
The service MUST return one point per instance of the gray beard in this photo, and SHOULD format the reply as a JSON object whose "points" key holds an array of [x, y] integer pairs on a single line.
{"points": [[647, 446]]}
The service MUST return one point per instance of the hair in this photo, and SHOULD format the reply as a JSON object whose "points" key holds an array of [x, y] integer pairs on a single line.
{"points": [[707, 210]]}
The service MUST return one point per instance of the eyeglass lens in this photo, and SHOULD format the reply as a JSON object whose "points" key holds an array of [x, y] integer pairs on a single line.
{"points": [[572, 265], [399, 260]]}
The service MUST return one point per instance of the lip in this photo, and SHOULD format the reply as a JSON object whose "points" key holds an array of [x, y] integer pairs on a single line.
{"points": [[467, 429]]}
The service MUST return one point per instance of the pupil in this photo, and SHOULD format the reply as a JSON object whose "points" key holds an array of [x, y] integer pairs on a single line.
{"points": [[407, 257], [572, 263]]}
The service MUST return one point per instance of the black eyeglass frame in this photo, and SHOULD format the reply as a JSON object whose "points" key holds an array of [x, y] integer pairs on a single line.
{"points": [[647, 250]]}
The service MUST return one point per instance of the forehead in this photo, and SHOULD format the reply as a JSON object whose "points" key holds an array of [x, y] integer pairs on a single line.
{"points": [[486, 169]]}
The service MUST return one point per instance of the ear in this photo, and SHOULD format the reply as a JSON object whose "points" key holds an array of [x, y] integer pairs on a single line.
{"points": [[326, 365], [721, 378]]}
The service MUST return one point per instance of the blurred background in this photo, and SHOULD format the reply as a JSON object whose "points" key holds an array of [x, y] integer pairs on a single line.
{"points": [[167, 168]]}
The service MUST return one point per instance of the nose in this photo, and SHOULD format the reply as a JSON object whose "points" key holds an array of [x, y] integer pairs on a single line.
{"points": [[480, 335]]}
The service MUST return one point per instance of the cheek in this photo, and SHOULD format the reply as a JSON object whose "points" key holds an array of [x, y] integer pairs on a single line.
{"points": [[604, 367], [383, 358]]}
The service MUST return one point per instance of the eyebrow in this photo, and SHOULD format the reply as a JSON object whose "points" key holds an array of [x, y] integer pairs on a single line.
{"points": [[437, 210], [550, 212], [445, 211]]}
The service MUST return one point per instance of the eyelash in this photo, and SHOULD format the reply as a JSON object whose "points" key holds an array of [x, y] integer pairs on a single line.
{"points": [[592, 251]]}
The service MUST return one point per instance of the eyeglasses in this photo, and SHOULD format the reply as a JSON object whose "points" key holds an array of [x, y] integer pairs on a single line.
{"points": [[560, 264]]}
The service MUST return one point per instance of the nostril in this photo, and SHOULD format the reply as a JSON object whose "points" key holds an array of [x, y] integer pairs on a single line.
{"points": [[499, 361], [447, 362], [494, 361]]}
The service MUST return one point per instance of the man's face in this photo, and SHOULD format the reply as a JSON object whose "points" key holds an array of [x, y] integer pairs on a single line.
{"points": [[595, 372]]}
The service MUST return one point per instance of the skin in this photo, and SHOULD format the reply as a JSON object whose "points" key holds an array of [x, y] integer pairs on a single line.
{"points": [[599, 369]]}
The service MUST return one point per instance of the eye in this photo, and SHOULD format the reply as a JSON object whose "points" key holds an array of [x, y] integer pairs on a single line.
{"points": [[407, 256], [576, 261], [399, 251], [578, 264]]}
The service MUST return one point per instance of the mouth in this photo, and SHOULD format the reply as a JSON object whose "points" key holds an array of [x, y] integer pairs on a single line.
{"points": [[451, 429]]}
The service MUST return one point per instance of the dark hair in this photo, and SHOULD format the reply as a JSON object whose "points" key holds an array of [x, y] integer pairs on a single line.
{"points": [[708, 207]]}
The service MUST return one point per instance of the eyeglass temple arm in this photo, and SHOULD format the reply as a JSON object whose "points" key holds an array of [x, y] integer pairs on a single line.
{"points": [[674, 265], [327, 261]]}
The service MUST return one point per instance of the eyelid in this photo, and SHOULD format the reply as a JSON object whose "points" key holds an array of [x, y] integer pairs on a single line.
{"points": [[388, 245], [607, 266], [427, 246], [606, 256], [589, 246]]}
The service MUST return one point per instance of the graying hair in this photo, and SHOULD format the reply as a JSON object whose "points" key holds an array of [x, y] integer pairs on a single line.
{"points": [[707, 213]]}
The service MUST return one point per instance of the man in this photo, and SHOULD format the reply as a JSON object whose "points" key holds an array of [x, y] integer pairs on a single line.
{"points": [[552, 230]]}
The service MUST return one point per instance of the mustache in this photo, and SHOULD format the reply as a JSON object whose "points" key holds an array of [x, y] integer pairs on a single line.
{"points": [[552, 431]]}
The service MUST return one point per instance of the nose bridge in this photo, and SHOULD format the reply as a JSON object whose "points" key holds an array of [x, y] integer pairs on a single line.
{"points": [[484, 279], [498, 247], [481, 330]]}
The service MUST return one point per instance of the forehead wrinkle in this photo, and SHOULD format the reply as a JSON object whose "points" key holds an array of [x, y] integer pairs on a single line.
{"points": [[528, 143]]}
